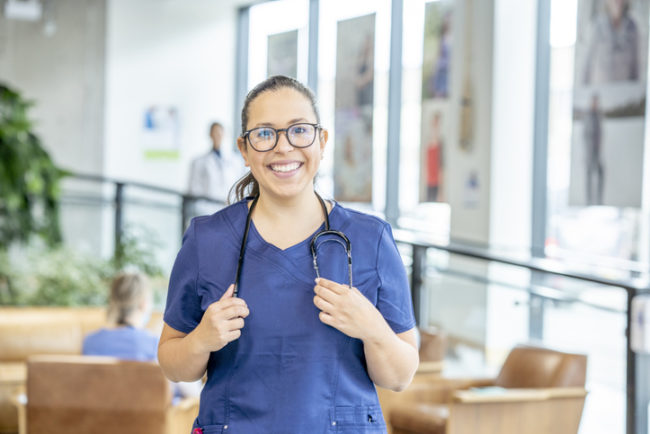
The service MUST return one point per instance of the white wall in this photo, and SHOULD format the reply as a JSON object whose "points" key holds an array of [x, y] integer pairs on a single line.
{"points": [[63, 73], [515, 24], [512, 122], [175, 53]]}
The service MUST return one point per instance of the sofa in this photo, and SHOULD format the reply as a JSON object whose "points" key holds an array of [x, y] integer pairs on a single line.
{"points": [[37, 331]]}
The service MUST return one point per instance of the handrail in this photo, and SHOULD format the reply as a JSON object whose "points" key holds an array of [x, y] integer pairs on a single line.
{"points": [[547, 266], [138, 184], [404, 236]]}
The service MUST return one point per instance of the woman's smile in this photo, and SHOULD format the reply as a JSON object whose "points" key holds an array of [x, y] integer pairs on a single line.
{"points": [[285, 169]]}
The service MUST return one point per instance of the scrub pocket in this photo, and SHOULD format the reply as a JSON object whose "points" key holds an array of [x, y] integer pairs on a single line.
{"points": [[208, 429], [358, 419]]}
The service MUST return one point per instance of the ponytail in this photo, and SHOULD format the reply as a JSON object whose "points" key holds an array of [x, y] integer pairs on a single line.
{"points": [[246, 186]]}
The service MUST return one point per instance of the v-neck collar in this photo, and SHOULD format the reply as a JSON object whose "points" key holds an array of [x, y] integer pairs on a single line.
{"points": [[298, 247]]}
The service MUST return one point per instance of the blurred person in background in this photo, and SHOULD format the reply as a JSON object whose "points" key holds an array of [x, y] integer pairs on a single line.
{"points": [[124, 336], [213, 173], [129, 309]]}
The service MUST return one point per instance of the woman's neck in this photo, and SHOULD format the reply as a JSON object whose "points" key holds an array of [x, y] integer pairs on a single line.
{"points": [[296, 208], [284, 223]]}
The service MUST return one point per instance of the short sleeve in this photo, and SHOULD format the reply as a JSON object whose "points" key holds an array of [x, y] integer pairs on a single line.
{"points": [[183, 309], [394, 297]]}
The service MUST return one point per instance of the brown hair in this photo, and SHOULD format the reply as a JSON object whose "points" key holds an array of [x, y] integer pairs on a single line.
{"points": [[247, 185], [127, 292]]}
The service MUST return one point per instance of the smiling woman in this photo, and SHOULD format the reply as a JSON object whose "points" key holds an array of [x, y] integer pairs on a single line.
{"points": [[296, 352]]}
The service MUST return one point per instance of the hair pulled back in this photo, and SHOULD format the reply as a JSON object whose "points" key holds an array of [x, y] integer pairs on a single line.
{"points": [[128, 290], [247, 185]]}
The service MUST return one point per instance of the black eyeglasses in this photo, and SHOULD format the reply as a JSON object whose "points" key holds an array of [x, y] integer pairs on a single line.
{"points": [[264, 139]]}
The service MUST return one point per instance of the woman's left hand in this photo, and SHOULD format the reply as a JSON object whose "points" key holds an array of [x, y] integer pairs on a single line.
{"points": [[346, 309]]}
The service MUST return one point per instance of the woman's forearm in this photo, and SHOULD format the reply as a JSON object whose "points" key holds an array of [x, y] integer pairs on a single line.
{"points": [[181, 360], [391, 359]]}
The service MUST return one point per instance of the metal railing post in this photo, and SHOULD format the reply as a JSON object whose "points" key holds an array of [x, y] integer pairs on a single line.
{"points": [[119, 202], [417, 280], [185, 213]]}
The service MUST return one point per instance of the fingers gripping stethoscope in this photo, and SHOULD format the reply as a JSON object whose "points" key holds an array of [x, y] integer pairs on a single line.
{"points": [[337, 236]]}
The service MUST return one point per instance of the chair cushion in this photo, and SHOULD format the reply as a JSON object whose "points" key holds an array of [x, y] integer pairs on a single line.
{"points": [[419, 418]]}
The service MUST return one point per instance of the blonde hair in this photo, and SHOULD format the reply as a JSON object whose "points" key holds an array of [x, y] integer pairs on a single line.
{"points": [[128, 291]]}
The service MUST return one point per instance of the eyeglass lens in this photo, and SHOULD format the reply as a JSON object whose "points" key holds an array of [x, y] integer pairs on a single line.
{"points": [[298, 135]]}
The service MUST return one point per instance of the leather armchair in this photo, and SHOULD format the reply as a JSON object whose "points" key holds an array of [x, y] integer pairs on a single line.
{"points": [[102, 395], [537, 391]]}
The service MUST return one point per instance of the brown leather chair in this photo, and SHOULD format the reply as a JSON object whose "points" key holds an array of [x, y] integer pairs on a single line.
{"points": [[102, 395], [537, 391]]}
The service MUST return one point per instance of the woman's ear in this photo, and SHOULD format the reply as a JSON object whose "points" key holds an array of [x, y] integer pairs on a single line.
{"points": [[323, 139], [243, 150]]}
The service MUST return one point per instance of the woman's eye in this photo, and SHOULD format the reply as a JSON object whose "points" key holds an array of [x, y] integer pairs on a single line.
{"points": [[298, 130], [264, 133]]}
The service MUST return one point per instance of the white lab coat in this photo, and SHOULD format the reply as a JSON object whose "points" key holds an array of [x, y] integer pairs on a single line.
{"points": [[213, 176]]}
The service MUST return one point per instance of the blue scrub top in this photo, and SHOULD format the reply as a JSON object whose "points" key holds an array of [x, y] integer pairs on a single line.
{"points": [[288, 372]]}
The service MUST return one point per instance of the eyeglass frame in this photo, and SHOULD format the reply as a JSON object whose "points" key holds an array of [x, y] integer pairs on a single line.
{"points": [[246, 135]]}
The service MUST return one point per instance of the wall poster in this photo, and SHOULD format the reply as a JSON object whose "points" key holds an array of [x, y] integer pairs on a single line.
{"points": [[436, 64], [353, 105], [609, 101]]}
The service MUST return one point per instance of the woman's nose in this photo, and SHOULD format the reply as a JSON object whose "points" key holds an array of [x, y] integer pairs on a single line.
{"points": [[283, 142]]}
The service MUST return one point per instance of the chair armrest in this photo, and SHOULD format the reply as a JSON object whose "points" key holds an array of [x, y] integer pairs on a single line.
{"points": [[19, 400], [435, 389], [513, 395], [187, 404], [539, 411], [180, 417], [430, 367], [13, 372]]}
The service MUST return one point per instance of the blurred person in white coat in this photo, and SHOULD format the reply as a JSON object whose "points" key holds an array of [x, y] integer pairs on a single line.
{"points": [[213, 173]]}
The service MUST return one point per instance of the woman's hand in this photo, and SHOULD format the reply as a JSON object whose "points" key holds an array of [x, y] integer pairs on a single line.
{"points": [[221, 323], [347, 309]]}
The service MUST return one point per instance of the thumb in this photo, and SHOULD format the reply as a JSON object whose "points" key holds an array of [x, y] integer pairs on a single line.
{"points": [[228, 293]]}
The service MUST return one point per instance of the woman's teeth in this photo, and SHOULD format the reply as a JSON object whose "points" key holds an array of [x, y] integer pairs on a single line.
{"points": [[285, 167]]}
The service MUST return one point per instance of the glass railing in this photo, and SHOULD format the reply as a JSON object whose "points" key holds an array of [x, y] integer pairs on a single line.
{"points": [[486, 301]]}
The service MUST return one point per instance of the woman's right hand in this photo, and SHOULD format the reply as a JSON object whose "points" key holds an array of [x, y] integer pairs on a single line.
{"points": [[221, 323]]}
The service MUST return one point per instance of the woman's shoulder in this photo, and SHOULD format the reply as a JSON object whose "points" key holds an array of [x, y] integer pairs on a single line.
{"points": [[227, 217], [360, 220]]}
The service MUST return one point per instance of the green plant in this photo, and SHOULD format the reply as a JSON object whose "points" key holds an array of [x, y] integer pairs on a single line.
{"points": [[59, 276], [29, 180]]}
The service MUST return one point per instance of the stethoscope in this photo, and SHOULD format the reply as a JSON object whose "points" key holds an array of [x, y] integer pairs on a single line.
{"points": [[337, 236]]}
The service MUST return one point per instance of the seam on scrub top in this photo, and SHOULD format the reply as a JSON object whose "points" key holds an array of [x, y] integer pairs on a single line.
{"points": [[337, 370], [381, 282], [196, 254]]}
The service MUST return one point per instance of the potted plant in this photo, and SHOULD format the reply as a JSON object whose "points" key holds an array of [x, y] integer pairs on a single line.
{"points": [[29, 182], [29, 179]]}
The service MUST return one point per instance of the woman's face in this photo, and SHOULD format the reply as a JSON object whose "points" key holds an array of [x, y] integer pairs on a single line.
{"points": [[285, 171]]}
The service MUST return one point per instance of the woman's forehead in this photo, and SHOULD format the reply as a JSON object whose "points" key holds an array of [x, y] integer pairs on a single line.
{"points": [[280, 106]]}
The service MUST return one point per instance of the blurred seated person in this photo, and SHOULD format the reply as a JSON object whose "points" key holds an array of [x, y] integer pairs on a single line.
{"points": [[124, 336], [129, 309]]}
